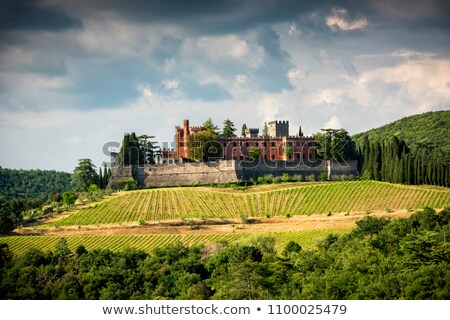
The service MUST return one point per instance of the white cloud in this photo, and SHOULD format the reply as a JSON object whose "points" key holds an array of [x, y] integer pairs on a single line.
{"points": [[268, 108], [338, 20], [241, 78], [333, 123], [145, 90], [328, 96], [293, 74], [170, 84], [425, 82], [221, 48], [293, 31]]}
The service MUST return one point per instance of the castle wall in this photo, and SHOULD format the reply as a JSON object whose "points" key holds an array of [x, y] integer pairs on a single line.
{"points": [[278, 168], [120, 173], [223, 171], [187, 174]]}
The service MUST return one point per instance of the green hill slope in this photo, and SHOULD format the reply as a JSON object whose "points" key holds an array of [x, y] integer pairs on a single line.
{"points": [[428, 132], [180, 203], [32, 184]]}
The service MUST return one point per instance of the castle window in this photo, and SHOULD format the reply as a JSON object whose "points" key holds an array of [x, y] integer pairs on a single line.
{"points": [[273, 144], [246, 144], [273, 157], [265, 144], [234, 144]]}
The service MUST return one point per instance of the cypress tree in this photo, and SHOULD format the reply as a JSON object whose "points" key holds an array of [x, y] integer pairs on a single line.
{"points": [[376, 161], [105, 176], [365, 152], [100, 178], [244, 127]]}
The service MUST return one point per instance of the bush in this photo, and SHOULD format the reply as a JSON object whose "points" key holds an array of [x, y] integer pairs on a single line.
{"points": [[311, 177], [129, 184], [347, 177], [268, 178], [297, 177], [323, 176], [292, 246], [244, 218], [286, 177], [69, 198]]}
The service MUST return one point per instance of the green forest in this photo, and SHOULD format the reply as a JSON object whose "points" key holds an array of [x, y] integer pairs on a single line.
{"points": [[404, 258], [32, 184], [413, 150], [427, 133]]}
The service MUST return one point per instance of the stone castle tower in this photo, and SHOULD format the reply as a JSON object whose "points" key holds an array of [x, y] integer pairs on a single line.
{"points": [[278, 128]]}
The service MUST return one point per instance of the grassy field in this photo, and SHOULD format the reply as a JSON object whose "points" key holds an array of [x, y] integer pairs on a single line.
{"points": [[19, 244], [185, 203]]}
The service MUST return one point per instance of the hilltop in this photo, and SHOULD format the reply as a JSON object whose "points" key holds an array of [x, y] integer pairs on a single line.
{"points": [[32, 184], [427, 132]]}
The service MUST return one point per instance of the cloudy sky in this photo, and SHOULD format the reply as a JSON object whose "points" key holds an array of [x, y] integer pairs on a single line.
{"points": [[75, 75]]}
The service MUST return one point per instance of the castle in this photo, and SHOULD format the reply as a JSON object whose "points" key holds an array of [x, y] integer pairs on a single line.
{"points": [[278, 153], [276, 146]]}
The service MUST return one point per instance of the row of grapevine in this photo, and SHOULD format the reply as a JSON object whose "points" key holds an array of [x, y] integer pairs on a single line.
{"points": [[19, 244], [179, 203]]}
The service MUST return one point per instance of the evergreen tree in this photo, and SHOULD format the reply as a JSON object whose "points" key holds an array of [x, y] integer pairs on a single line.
{"points": [[100, 178], [265, 132], [147, 148], [210, 126], [84, 175], [376, 161], [244, 127], [229, 131], [105, 176]]}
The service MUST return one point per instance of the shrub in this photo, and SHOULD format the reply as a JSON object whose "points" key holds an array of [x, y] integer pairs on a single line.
{"points": [[323, 176], [244, 218], [297, 177], [129, 184], [311, 177], [347, 177], [292, 246], [286, 177], [268, 178]]}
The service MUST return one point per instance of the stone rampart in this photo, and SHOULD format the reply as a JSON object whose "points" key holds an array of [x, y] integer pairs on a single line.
{"points": [[224, 171]]}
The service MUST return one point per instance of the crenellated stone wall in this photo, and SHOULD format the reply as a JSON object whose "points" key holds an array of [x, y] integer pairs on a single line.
{"points": [[224, 171]]}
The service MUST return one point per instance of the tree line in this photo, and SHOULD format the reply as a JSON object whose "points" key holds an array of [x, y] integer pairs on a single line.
{"points": [[393, 161], [32, 184], [58, 192], [405, 258]]}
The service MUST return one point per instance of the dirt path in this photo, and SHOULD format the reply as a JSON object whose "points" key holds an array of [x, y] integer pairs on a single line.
{"points": [[217, 226]]}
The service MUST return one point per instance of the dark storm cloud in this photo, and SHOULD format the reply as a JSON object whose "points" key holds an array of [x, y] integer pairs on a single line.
{"points": [[233, 15], [223, 16], [31, 15]]}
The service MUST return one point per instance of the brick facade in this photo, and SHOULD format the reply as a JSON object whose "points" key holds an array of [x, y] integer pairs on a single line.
{"points": [[272, 148]]}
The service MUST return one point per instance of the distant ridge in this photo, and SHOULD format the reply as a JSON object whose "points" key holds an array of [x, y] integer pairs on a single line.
{"points": [[427, 132]]}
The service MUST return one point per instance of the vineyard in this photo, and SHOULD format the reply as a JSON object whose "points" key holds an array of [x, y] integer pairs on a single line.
{"points": [[19, 244], [185, 203]]}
